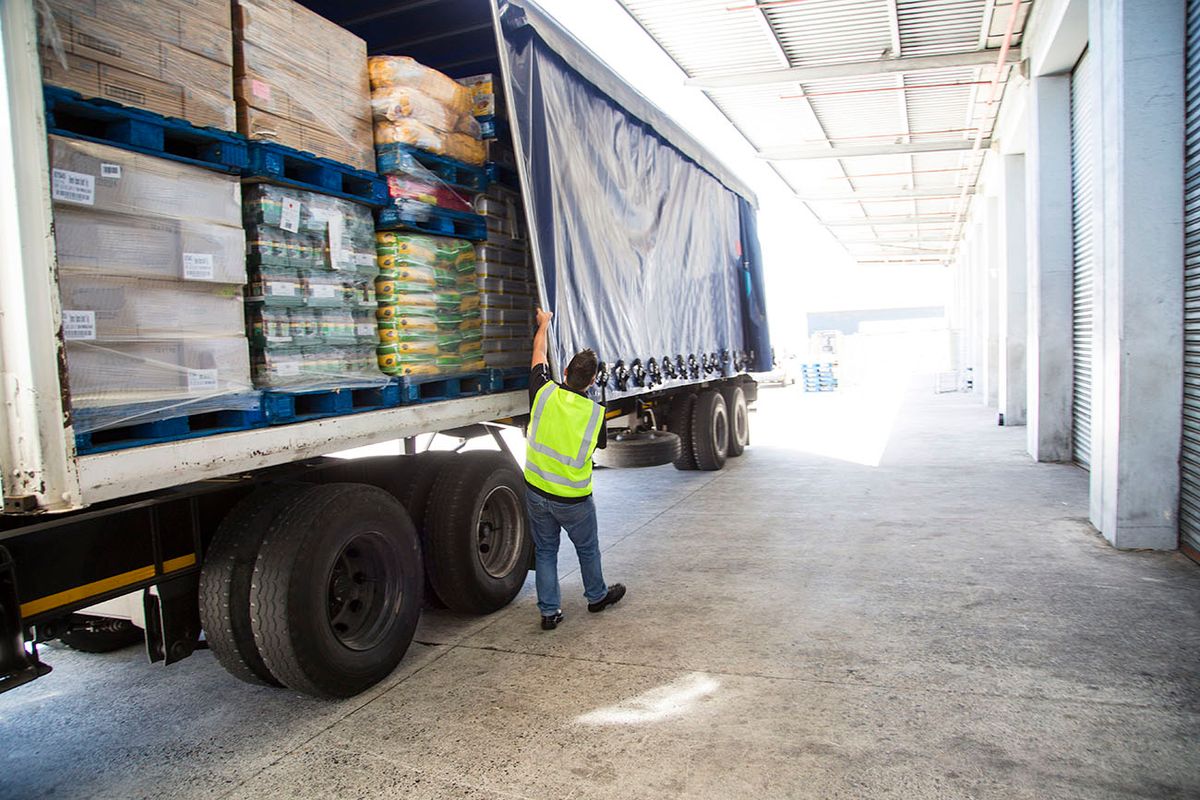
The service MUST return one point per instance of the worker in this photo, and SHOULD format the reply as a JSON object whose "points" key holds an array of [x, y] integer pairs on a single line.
{"points": [[565, 427]]}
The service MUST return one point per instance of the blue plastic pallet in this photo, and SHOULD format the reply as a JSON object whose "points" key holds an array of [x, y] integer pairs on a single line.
{"points": [[203, 419], [431, 388], [71, 114], [508, 380], [408, 160], [504, 175], [425, 218], [275, 163], [282, 408]]}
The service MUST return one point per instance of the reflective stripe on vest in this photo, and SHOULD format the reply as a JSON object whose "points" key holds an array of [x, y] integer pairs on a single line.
{"points": [[563, 430]]}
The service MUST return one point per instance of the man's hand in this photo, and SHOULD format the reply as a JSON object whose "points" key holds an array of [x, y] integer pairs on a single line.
{"points": [[539, 338]]}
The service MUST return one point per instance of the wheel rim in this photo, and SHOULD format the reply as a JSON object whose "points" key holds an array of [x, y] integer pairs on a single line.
{"points": [[499, 532], [364, 592]]}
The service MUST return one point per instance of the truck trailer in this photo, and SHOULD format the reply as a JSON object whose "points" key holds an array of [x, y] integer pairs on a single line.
{"points": [[302, 570]]}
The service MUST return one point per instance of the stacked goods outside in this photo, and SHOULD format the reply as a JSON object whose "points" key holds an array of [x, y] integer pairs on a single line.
{"points": [[301, 81], [310, 310], [172, 57], [429, 320], [151, 262]]}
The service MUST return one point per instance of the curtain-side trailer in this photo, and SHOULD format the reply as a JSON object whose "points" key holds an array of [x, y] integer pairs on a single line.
{"points": [[310, 572]]}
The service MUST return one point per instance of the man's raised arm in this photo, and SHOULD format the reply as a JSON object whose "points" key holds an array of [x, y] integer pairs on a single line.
{"points": [[539, 338]]}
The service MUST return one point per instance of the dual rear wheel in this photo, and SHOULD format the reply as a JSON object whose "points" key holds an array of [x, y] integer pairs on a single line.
{"points": [[713, 425], [319, 587]]}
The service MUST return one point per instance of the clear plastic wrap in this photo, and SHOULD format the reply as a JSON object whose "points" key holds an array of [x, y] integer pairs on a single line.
{"points": [[418, 106], [116, 384], [428, 314], [311, 297], [103, 178], [113, 308], [172, 57], [459, 146], [149, 247], [301, 81]]}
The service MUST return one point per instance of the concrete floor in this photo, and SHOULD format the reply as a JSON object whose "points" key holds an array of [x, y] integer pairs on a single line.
{"points": [[825, 618]]}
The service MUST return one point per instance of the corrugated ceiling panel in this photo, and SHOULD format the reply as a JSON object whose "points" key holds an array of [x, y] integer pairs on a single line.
{"points": [[929, 27], [704, 36]]}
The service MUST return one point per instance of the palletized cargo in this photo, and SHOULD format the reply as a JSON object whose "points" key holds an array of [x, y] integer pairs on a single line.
{"points": [[616, 228]]}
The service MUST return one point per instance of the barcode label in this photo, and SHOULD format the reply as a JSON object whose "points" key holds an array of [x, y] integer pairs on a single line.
{"points": [[78, 325], [203, 380], [323, 291], [289, 219], [73, 187], [286, 368], [198, 267], [281, 289], [110, 171], [365, 329]]}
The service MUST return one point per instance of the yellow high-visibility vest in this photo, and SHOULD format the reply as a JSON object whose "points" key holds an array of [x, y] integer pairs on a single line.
{"points": [[563, 430]]}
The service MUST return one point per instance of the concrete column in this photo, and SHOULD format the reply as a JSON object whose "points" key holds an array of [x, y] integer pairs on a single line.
{"points": [[1139, 315], [1048, 248], [990, 339], [1012, 298]]}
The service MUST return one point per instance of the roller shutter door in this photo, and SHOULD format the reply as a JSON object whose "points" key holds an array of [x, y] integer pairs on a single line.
{"points": [[1082, 138], [1189, 506]]}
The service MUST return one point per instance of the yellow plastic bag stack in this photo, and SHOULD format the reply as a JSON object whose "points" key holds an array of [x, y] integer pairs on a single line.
{"points": [[428, 316], [415, 105]]}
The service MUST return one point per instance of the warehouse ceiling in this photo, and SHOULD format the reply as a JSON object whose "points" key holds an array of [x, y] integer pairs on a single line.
{"points": [[877, 113]]}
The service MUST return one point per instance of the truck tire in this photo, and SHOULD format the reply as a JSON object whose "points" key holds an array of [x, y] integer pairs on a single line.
{"points": [[739, 419], [419, 477], [710, 430], [679, 422], [225, 581], [643, 449], [479, 541], [336, 590], [100, 634]]}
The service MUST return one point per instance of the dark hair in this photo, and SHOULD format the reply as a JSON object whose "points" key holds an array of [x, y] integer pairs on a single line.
{"points": [[582, 370]]}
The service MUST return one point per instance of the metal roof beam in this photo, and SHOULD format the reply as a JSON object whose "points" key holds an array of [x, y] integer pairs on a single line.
{"points": [[881, 195], [855, 69], [863, 151], [940, 220]]}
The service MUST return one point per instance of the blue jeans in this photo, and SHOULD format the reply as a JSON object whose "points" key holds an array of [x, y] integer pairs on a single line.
{"points": [[546, 519]]}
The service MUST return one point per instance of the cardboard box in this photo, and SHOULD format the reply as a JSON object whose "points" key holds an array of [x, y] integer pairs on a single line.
{"points": [[354, 149], [301, 81], [116, 373], [105, 308], [146, 247], [103, 178], [141, 54]]}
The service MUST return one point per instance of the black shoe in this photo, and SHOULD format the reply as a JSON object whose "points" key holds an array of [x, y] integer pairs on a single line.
{"points": [[615, 593], [551, 622]]}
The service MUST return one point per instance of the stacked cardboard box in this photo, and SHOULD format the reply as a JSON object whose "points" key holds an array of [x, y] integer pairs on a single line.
{"points": [[152, 264], [172, 57], [506, 280], [301, 81]]}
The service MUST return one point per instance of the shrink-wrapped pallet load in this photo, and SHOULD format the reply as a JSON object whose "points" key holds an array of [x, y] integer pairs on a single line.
{"points": [[151, 274], [311, 297], [172, 57], [428, 316], [301, 81]]}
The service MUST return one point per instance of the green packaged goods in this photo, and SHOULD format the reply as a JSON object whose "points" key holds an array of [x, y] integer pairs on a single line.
{"points": [[323, 289], [276, 287], [293, 227]]}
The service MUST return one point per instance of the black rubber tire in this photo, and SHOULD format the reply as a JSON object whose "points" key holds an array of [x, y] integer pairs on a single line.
{"points": [[454, 566], [107, 635], [643, 449], [739, 419], [295, 574], [415, 492], [679, 422], [710, 430], [225, 581]]}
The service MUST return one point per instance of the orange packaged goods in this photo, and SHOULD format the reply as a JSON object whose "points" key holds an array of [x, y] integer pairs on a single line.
{"points": [[301, 81], [414, 105], [172, 57]]}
